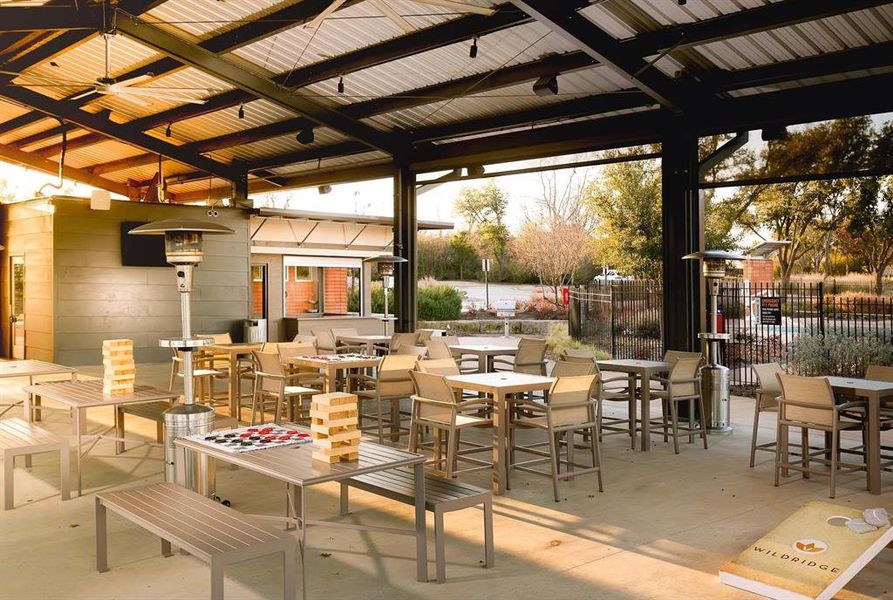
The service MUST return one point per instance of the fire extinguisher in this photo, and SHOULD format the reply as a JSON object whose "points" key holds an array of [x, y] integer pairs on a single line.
{"points": [[720, 320]]}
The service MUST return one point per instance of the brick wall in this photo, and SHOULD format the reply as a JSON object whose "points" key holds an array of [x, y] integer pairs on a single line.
{"points": [[758, 271], [300, 297], [257, 299], [335, 289]]}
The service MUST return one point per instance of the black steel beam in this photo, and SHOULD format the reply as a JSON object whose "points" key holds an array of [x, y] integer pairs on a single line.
{"points": [[45, 18], [260, 87], [110, 129], [597, 43], [406, 226]]}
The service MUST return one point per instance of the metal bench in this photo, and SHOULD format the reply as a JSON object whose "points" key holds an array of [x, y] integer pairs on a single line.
{"points": [[154, 411], [218, 535], [20, 438], [441, 496]]}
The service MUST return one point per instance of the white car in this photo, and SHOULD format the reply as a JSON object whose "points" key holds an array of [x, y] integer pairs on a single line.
{"points": [[611, 275]]}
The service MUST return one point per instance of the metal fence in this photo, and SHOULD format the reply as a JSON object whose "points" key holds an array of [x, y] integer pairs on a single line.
{"points": [[624, 319], [621, 318]]}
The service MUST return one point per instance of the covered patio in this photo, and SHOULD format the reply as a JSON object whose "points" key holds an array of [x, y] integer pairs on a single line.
{"points": [[210, 105]]}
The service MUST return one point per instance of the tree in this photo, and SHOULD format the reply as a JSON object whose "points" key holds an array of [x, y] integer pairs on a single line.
{"points": [[484, 210], [552, 251], [625, 202], [871, 226], [561, 193], [463, 256]]}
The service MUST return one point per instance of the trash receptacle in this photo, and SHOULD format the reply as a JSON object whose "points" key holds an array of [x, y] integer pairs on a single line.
{"points": [[255, 330]]}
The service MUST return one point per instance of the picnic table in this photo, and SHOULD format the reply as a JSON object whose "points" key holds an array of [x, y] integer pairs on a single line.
{"points": [[31, 368], [80, 396]]}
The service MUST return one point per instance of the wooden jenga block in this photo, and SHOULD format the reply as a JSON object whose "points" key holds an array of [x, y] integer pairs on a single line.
{"points": [[119, 369], [333, 427]]}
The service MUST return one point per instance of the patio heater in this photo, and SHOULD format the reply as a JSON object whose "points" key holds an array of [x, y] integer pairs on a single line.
{"points": [[183, 250], [386, 264], [714, 375]]}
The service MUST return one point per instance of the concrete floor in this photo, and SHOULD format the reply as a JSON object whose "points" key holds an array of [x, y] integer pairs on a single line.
{"points": [[663, 527]]}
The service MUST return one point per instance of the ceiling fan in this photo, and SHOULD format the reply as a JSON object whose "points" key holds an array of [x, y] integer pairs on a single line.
{"points": [[107, 85], [388, 11]]}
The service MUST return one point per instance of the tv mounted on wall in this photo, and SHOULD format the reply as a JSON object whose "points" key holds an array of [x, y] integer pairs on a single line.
{"points": [[141, 250]]}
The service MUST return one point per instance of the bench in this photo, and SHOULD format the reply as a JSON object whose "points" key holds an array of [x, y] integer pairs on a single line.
{"points": [[218, 535], [154, 411], [441, 496], [20, 438]]}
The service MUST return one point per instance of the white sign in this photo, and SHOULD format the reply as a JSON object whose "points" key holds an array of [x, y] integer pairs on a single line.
{"points": [[485, 265], [505, 308]]}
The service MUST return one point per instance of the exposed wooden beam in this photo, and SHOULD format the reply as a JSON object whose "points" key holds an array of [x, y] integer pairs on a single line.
{"points": [[30, 161], [108, 128], [600, 45]]}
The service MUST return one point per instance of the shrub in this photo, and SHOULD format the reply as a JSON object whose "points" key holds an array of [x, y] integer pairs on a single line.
{"points": [[541, 309], [353, 299], [832, 354], [560, 340], [439, 303]]}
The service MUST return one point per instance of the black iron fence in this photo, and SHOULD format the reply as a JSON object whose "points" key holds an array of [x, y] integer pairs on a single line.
{"points": [[803, 326]]}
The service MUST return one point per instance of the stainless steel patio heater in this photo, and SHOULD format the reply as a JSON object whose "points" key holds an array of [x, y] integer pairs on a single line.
{"points": [[386, 264], [714, 375], [183, 250]]}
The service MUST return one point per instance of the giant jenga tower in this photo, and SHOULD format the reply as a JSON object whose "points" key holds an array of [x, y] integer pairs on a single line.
{"points": [[333, 427], [119, 370]]}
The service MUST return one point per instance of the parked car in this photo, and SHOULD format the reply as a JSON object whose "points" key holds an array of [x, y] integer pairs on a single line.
{"points": [[609, 275]]}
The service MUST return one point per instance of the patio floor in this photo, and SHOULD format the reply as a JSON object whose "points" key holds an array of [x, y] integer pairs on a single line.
{"points": [[663, 527]]}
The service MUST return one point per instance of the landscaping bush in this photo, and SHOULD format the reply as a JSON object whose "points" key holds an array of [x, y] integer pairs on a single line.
{"points": [[540, 309], [353, 299], [439, 302], [832, 354], [559, 340]]}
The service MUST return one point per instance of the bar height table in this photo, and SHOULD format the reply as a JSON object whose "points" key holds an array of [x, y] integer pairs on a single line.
{"points": [[233, 352], [330, 364], [645, 370], [485, 353]]}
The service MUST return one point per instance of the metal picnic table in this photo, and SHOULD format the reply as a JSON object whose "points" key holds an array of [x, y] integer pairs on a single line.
{"points": [[31, 368]]}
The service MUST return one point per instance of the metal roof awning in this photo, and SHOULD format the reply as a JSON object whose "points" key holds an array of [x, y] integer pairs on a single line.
{"points": [[280, 231], [764, 249]]}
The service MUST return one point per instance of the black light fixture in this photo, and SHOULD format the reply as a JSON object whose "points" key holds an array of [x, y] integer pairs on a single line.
{"points": [[774, 133], [681, 2], [305, 136], [341, 85], [241, 111], [167, 131], [473, 51], [547, 85]]}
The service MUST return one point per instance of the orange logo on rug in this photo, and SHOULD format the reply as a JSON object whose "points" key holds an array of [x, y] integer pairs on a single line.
{"points": [[809, 546]]}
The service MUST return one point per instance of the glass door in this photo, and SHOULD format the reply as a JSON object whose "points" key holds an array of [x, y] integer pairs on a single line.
{"points": [[17, 307]]}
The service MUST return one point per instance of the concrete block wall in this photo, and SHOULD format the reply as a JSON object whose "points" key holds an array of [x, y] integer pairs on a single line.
{"points": [[97, 298]]}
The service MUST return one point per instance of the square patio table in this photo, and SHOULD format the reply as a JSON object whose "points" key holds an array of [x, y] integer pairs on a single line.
{"points": [[233, 352], [644, 370], [485, 352], [295, 466], [367, 341], [330, 364], [32, 368], [498, 386], [82, 395], [873, 392]]}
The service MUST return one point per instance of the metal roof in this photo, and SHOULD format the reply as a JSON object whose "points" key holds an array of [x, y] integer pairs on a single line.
{"points": [[421, 87]]}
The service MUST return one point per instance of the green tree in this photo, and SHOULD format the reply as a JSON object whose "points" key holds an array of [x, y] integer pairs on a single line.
{"points": [[871, 226], [484, 209], [462, 255], [625, 202]]}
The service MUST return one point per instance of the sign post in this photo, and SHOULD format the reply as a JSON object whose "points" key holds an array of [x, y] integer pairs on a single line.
{"points": [[485, 267]]}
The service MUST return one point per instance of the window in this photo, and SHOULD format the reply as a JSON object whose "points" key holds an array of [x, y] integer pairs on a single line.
{"points": [[299, 273]]}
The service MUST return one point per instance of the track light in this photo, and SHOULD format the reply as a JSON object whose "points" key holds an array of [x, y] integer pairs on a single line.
{"points": [[341, 85], [473, 51], [305, 136], [546, 85], [241, 111], [167, 131]]}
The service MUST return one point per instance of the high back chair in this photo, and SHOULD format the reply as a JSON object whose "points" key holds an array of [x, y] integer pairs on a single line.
{"points": [[437, 406], [767, 393], [438, 366], [578, 355], [682, 384], [424, 336], [563, 368], [307, 376], [325, 341], [391, 383], [809, 403], [419, 351], [671, 356], [343, 347], [571, 409], [530, 357], [438, 349], [202, 376], [397, 341], [272, 385]]}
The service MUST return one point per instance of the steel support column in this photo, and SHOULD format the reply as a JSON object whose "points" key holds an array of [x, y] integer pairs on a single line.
{"points": [[405, 233], [683, 232]]}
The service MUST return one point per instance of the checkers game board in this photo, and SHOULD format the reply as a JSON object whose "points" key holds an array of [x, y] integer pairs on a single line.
{"points": [[246, 439], [342, 357]]}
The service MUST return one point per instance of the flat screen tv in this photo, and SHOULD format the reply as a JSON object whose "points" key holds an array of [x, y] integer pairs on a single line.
{"points": [[141, 250]]}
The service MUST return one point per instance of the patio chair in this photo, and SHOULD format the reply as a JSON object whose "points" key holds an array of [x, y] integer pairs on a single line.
{"points": [[397, 340], [202, 376], [304, 339], [391, 383], [220, 361], [419, 351], [571, 409], [682, 384], [307, 376], [578, 355], [437, 406], [767, 394], [809, 403], [325, 341], [424, 336], [440, 348], [439, 366], [344, 348], [274, 385], [530, 358]]}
